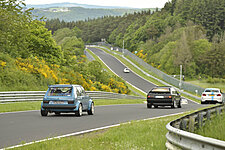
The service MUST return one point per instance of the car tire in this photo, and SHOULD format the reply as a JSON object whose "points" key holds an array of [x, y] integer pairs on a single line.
{"points": [[44, 112], [57, 113], [155, 106], [202, 102], [92, 110], [174, 104], [79, 112], [149, 106], [179, 106]]}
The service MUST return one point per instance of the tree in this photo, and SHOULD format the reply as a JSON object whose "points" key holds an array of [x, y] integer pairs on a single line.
{"points": [[182, 53], [42, 44]]}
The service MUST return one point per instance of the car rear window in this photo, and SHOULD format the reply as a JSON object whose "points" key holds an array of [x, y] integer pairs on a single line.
{"points": [[208, 90], [60, 91], [160, 90]]}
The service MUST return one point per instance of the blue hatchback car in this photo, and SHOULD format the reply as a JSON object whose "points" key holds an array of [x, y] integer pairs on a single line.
{"points": [[66, 98]]}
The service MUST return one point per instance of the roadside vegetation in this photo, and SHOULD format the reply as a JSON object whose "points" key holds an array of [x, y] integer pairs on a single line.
{"points": [[140, 135], [213, 128], [25, 106], [31, 58], [188, 33], [216, 83]]}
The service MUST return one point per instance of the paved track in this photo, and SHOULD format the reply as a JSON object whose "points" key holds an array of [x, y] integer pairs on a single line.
{"points": [[30, 126]]}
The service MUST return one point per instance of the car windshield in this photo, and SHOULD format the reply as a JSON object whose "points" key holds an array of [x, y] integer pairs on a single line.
{"points": [[211, 90], [160, 90], [60, 91]]}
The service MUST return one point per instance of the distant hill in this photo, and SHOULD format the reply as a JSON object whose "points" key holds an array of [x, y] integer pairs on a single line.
{"points": [[79, 13], [67, 4]]}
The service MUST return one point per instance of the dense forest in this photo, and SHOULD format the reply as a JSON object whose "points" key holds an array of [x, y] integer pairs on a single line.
{"points": [[31, 58], [184, 32]]}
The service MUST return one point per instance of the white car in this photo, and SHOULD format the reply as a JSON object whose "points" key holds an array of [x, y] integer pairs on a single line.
{"points": [[126, 70], [212, 95]]}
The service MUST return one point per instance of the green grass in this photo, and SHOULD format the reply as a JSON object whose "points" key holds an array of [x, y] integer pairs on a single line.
{"points": [[118, 101], [137, 135], [214, 128], [19, 106], [25, 106], [204, 84]]}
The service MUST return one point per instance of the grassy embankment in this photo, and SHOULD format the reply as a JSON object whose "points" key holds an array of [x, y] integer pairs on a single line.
{"points": [[134, 69], [138, 135], [214, 128], [204, 84]]}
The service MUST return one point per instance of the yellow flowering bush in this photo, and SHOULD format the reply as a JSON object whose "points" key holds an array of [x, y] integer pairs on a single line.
{"points": [[36, 66], [2, 63], [141, 55]]}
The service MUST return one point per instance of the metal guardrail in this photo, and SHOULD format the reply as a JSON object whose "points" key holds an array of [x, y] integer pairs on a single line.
{"points": [[175, 82], [180, 136], [16, 96]]}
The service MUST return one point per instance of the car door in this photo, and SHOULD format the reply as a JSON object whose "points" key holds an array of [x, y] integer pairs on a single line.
{"points": [[85, 98], [82, 97]]}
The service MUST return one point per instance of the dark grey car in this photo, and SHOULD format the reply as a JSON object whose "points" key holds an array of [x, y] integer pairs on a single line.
{"points": [[163, 96]]}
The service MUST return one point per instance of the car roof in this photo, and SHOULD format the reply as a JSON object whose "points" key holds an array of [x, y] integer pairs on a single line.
{"points": [[63, 85], [163, 87]]}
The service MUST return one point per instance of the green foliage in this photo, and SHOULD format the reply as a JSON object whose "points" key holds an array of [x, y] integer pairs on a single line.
{"points": [[30, 59], [194, 25], [14, 27], [41, 43]]}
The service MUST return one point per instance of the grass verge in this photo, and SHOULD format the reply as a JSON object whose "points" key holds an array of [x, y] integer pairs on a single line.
{"points": [[25, 106], [204, 84], [214, 128], [138, 135]]}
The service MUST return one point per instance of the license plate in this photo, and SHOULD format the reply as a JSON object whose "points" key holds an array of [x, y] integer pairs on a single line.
{"points": [[58, 102], [211, 95], [159, 96]]}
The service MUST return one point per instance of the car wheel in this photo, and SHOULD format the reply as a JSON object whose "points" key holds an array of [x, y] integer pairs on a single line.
{"points": [[155, 106], [57, 113], [149, 106], [179, 106], [202, 102], [79, 112], [44, 112], [174, 104], [92, 110]]}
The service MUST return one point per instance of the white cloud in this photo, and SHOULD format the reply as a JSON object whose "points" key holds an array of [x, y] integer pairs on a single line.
{"points": [[124, 3]]}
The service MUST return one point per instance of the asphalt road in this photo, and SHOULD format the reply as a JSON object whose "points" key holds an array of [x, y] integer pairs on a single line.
{"points": [[30, 126]]}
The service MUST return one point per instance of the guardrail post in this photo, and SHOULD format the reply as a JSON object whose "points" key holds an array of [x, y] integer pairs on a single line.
{"points": [[200, 119], [218, 111], [191, 125], [208, 113], [183, 124]]}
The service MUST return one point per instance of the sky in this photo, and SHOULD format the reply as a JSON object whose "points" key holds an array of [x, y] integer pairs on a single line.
{"points": [[123, 3]]}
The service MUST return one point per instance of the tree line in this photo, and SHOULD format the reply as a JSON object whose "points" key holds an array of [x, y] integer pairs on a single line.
{"points": [[184, 32], [31, 58]]}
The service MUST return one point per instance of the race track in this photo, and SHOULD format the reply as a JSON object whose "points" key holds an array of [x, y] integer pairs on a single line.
{"points": [[29, 126]]}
